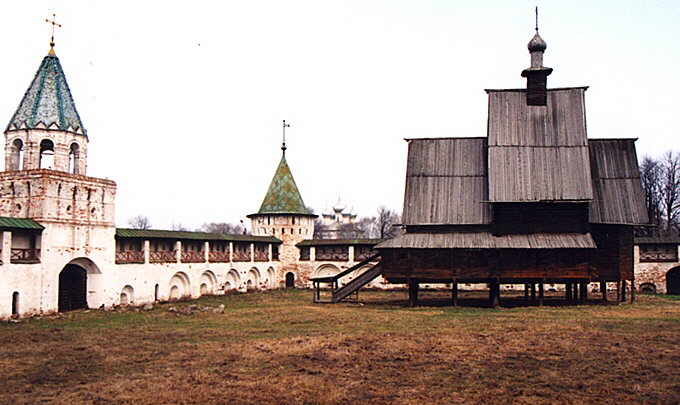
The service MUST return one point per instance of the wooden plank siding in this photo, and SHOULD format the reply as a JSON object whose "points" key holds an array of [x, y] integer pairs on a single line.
{"points": [[446, 182], [468, 266], [618, 196], [538, 153]]}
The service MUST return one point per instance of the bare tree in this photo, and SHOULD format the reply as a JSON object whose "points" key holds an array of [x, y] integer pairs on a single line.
{"points": [[177, 226], [650, 176], [222, 227], [366, 227], [385, 223], [319, 229], [139, 222], [670, 190]]}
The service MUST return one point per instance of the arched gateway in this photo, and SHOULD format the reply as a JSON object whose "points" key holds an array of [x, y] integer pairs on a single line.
{"points": [[72, 288], [290, 280], [673, 281], [74, 279]]}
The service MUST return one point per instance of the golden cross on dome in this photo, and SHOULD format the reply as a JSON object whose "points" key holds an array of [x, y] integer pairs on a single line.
{"points": [[54, 24]]}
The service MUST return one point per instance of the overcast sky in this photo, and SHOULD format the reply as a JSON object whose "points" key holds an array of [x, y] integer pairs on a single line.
{"points": [[183, 101]]}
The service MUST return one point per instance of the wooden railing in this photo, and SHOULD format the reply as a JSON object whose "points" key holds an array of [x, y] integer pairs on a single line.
{"points": [[241, 255], [353, 286], [261, 255], [192, 256], [129, 256], [25, 256], [340, 254], [218, 257], [162, 256], [361, 253], [305, 253]]}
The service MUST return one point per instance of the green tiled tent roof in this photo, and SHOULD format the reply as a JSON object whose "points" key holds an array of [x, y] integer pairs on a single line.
{"points": [[19, 223], [48, 101], [283, 196]]}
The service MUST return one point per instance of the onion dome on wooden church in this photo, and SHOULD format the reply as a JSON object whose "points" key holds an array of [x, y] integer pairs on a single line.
{"points": [[283, 196], [537, 44], [48, 104]]}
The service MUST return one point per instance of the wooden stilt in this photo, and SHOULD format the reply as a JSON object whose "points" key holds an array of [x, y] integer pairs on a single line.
{"points": [[494, 293], [618, 291], [603, 289], [540, 293], [632, 291], [412, 292], [533, 291], [566, 291], [498, 293], [526, 292], [624, 284], [584, 292], [454, 292]]}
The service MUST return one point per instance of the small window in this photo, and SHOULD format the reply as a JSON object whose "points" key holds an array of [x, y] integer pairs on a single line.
{"points": [[283, 231], [46, 154], [293, 220]]}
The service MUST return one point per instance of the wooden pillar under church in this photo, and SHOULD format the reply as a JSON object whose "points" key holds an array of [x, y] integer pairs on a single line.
{"points": [[412, 292], [618, 290], [454, 292], [494, 293], [540, 293], [569, 291], [526, 292], [533, 291], [624, 284], [584, 292], [632, 291], [603, 289]]}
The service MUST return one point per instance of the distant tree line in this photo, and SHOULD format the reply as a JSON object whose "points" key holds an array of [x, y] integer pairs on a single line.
{"points": [[660, 179], [383, 225], [143, 222]]}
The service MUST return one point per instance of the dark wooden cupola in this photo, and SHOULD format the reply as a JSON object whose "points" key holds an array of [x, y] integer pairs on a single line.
{"points": [[537, 75]]}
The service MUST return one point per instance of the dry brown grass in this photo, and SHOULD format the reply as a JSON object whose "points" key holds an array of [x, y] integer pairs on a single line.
{"points": [[278, 348]]}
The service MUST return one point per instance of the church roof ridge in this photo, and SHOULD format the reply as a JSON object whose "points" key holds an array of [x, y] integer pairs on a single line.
{"points": [[48, 101]]}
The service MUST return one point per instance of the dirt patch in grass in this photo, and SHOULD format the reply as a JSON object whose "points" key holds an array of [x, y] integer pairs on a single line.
{"points": [[276, 348]]}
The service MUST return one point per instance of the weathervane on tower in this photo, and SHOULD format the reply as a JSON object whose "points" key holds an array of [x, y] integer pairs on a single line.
{"points": [[54, 24], [283, 146]]}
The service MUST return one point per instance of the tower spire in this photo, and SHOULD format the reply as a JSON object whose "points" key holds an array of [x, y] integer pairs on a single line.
{"points": [[54, 24], [283, 145]]}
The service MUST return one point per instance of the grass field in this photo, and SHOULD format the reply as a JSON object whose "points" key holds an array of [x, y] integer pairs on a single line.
{"points": [[277, 347]]}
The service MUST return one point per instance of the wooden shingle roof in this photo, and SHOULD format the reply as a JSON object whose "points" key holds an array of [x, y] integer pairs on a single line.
{"points": [[446, 182], [618, 196], [486, 240], [538, 153]]}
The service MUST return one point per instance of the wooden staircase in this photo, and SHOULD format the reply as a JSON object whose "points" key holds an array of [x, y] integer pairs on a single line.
{"points": [[339, 294]]}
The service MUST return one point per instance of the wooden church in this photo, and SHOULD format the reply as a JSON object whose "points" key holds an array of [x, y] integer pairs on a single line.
{"points": [[535, 201]]}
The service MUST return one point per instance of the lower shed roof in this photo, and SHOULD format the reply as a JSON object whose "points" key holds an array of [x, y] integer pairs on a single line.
{"points": [[486, 240]]}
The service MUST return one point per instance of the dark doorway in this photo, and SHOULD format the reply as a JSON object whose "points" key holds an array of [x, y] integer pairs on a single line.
{"points": [[15, 303], [290, 280], [673, 281], [155, 293], [72, 288]]}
